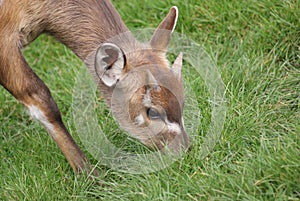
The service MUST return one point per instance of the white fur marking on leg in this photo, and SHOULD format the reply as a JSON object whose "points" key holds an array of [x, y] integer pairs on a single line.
{"points": [[37, 114]]}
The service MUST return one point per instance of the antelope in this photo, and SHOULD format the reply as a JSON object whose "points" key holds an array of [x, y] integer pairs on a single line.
{"points": [[138, 72]]}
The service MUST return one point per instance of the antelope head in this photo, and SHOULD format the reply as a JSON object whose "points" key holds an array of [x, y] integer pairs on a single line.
{"points": [[144, 92]]}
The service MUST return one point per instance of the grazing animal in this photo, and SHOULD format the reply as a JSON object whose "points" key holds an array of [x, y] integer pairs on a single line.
{"points": [[94, 31]]}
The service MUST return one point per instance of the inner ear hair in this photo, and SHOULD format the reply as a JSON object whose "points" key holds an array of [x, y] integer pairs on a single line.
{"points": [[111, 58], [109, 63]]}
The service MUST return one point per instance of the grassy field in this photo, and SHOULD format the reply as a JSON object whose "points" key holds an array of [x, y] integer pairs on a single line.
{"points": [[256, 47]]}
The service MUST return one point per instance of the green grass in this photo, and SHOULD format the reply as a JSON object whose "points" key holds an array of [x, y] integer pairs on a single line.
{"points": [[256, 46]]}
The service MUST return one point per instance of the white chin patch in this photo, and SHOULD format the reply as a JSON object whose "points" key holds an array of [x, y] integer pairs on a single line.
{"points": [[37, 114]]}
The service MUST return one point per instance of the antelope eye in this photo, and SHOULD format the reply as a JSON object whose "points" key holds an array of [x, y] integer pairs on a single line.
{"points": [[153, 113]]}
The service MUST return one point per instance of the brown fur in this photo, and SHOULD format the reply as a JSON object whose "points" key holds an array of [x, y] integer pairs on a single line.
{"points": [[82, 25]]}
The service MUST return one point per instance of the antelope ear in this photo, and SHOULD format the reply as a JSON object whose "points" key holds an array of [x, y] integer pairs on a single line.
{"points": [[109, 63], [162, 34], [177, 66]]}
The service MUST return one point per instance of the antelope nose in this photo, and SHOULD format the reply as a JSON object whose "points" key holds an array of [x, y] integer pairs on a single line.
{"points": [[179, 144]]}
